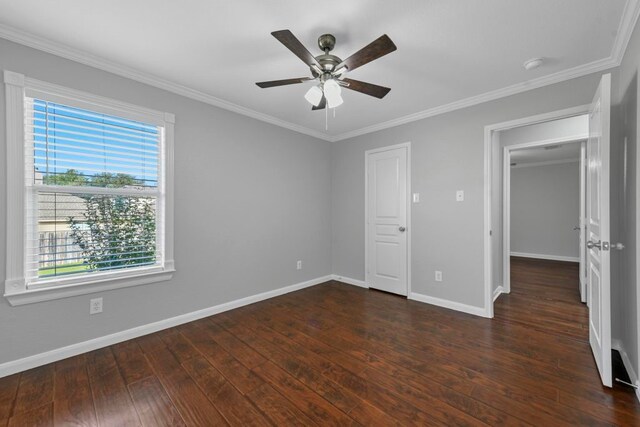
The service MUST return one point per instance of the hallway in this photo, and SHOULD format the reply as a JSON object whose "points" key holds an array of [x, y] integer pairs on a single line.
{"points": [[545, 296]]}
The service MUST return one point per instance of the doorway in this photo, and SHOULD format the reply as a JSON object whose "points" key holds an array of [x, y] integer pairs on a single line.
{"points": [[544, 199], [597, 212], [387, 222]]}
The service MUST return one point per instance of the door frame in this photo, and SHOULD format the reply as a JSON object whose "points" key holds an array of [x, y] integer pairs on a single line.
{"points": [[406, 145], [506, 197], [489, 140], [583, 223]]}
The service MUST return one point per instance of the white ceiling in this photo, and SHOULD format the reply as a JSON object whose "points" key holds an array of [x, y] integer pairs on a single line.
{"points": [[448, 51], [562, 152]]}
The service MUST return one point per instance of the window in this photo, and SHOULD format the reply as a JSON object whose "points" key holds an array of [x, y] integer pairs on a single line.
{"points": [[94, 189]]}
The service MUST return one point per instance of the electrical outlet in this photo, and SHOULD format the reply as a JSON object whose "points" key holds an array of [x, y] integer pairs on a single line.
{"points": [[95, 305], [460, 196], [438, 276], [299, 265]]}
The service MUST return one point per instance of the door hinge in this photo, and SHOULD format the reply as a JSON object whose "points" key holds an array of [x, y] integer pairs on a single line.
{"points": [[490, 232]]}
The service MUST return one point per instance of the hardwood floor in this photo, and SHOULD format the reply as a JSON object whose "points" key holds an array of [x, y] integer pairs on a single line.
{"points": [[335, 354]]}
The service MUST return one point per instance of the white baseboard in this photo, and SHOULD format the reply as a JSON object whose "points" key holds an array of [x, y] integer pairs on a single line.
{"points": [[549, 257], [470, 309], [421, 298], [496, 293], [617, 345], [19, 365], [349, 281]]}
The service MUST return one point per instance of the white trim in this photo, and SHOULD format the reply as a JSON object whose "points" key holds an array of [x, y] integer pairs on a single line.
{"points": [[409, 227], [541, 118], [497, 292], [19, 365], [88, 286], [487, 232], [452, 305], [16, 235], [551, 141], [506, 219], [625, 30], [545, 163], [349, 281], [583, 222], [600, 65], [17, 290], [80, 99], [616, 344], [489, 132], [548, 257]]}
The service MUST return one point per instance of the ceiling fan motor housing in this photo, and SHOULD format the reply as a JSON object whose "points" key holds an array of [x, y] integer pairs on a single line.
{"points": [[326, 42]]}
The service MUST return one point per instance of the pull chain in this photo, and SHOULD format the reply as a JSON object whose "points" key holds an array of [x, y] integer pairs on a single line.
{"points": [[326, 118]]}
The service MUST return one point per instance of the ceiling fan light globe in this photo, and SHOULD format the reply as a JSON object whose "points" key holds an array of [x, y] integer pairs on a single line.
{"points": [[314, 96], [334, 100], [331, 88]]}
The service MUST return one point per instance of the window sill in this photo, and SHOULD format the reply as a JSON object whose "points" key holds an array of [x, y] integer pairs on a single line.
{"points": [[90, 286]]}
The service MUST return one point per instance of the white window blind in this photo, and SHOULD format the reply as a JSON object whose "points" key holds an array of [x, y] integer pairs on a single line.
{"points": [[94, 185]]}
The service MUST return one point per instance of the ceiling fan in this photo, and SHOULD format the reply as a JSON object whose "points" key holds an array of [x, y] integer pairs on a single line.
{"points": [[329, 70]]}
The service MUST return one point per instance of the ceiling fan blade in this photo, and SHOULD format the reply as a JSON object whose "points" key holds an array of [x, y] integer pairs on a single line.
{"points": [[367, 88], [274, 83], [287, 38], [322, 105], [374, 50]]}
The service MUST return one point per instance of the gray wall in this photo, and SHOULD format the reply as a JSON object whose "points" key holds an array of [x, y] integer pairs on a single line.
{"points": [[447, 155], [545, 206], [250, 200], [626, 156]]}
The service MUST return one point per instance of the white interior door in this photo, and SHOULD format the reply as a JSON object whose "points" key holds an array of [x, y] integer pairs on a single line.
{"points": [[598, 254], [583, 222], [387, 266]]}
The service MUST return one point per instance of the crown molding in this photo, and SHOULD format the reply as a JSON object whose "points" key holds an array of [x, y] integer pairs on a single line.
{"points": [[572, 73], [625, 29], [21, 37]]}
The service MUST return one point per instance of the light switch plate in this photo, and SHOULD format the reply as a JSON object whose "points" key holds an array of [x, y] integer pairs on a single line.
{"points": [[416, 197], [459, 196]]}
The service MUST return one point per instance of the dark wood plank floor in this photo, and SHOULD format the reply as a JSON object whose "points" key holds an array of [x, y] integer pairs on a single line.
{"points": [[339, 355]]}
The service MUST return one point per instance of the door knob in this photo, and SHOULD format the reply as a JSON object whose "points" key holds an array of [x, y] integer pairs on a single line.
{"points": [[402, 229], [576, 227], [592, 245]]}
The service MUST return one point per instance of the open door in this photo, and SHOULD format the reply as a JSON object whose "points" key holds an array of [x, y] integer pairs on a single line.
{"points": [[598, 255]]}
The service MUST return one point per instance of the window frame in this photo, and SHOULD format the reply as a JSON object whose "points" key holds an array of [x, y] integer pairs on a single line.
{"points": [[17, 289]]}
